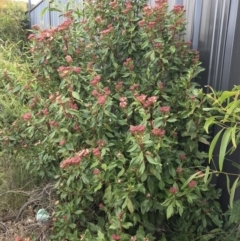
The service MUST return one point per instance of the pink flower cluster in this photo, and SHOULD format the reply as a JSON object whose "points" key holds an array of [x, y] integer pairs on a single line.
{"points": [[147, 10], [179, 170], [182, 157], [129, 63], [173, 190], [146, 102], [178, 9], [68, 59], [192, 184], [115, 237], [119, 85], [123, 102], [95, 80], [75, 160], [96, 171], [71, 161], [128, 8], [158, 132], [53, 123], [48, 34], [109, 29], [73, 105], [96, 152], [114, 4], [137, 129], [141, 23], [27, 116], [134, 87], [65, 70], [165, 109], [101, 96]]}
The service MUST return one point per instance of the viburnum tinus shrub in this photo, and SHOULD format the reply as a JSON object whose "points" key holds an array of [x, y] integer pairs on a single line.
{"points": [[116, 115]]}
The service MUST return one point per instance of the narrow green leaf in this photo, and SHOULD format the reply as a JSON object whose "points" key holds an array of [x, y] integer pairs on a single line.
{"points": [[223, 147], [232, 192], [228, 184], [210, 121], [169, 211], [225, 95], [43, 11], [130, 205], [213, 144], [234, 136], [206, 174]]}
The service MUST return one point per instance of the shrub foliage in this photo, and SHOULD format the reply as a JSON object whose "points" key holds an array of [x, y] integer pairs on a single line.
{"points": [[115, 114]]}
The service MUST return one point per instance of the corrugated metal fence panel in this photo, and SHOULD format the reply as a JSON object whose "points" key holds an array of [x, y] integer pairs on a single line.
{"points": [[35, 15], [212, 39], [171, 3], [190, 9]]}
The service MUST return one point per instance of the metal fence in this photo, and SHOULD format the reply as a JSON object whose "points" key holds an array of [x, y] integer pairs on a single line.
{"points": [[213, 28]]}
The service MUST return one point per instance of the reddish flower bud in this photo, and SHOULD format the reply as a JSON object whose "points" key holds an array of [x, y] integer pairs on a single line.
{"points": [[77, 70], [137, 129], [101, 206], [27, 116], [165, 109], [179, 170], [192, 184], [68, 59], [96, 171], [96, 152], [62, 142], [101, 99], [115, 237], [173, 190], [182, 157]]}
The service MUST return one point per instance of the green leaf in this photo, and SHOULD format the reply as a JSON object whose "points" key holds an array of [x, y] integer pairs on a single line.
{"points": [[223, 147], [171, 120], [130, 205], [232, 192], [228, 184], [151, 160], [210, 121], [127, 225], [234, 136], [78, 212], [108, 194], [76, 95], [172, 49], [206, 174], [213, 144], [98, 187], [225, 95], [170, 211], [43, 11], [203, 140]]}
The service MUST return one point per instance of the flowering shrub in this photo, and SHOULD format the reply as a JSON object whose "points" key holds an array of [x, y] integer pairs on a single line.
{"points": [[115, 114]]}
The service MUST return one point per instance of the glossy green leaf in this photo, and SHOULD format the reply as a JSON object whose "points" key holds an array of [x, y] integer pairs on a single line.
{"points": [[232, 192], [223, 147], [212, 145]]}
